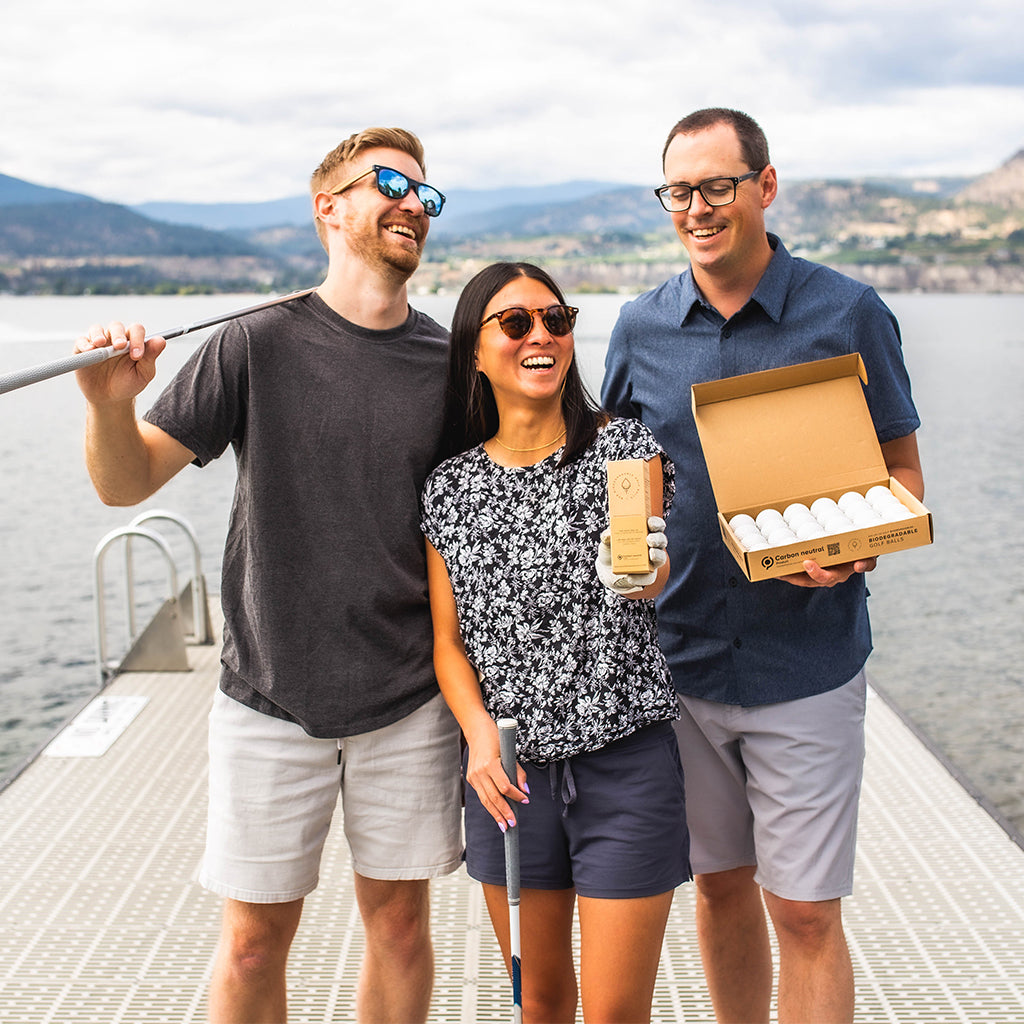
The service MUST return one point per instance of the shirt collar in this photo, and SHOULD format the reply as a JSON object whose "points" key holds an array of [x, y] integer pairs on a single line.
{"points": [[770, 293]]}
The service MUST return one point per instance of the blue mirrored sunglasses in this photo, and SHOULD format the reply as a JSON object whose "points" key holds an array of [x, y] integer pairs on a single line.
{"points": [[395, 185]]}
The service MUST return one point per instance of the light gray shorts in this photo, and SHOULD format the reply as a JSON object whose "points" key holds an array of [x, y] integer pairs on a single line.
{"points": [[776, 785], [274, 789]]}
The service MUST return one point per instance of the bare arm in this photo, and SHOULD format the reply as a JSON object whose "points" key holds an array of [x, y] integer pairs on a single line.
{"points": [[461, 689], [903, 461], [128, 459]]}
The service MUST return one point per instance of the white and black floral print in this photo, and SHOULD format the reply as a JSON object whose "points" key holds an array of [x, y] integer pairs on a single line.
{"points": [[575, 664]]}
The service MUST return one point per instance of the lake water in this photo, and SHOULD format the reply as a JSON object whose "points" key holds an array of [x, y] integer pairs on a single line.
{"points": [[946, 618]]}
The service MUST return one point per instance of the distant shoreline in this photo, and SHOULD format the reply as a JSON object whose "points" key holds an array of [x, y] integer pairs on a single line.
{"points": [[142, 276]]}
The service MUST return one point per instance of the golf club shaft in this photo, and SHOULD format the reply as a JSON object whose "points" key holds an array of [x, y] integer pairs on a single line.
{"points": [[507, 746], [79, 360]]}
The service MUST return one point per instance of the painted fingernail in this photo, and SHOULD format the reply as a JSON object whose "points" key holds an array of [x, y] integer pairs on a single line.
{"points": [[526, 788], [511, 822], [502, 826]]}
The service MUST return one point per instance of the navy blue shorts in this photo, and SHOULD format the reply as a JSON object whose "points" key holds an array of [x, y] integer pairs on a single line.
{"points": [[610, 823]]}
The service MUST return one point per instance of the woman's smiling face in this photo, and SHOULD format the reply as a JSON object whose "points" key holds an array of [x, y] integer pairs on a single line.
{"points": [[534, 366]]}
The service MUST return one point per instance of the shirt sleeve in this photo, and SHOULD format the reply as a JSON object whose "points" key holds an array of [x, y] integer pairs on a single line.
{"points": [[204, 407], [617, 389], [428, 523], [876, 336]]}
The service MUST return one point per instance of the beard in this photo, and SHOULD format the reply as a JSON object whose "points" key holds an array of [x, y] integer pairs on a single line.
{"points": [[393, 261]]}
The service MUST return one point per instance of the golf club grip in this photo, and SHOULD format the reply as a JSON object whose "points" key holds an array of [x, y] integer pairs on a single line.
{"points": [[507, 746], [35, 374], [79, 360]]}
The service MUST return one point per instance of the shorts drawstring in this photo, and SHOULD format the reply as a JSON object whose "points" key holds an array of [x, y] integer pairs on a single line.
{"points": [[566, 791]]}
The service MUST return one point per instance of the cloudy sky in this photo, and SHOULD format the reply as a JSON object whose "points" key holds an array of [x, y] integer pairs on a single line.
{"points": [[237, 100]]}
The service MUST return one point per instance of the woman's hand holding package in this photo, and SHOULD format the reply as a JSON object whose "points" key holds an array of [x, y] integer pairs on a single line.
{"points": [[632, 583]]}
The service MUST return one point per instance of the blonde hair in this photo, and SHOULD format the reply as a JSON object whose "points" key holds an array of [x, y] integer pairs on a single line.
{"points": [[328, 175]]}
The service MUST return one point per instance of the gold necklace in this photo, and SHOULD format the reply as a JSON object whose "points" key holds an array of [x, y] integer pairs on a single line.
{"points": [[535, 449]]}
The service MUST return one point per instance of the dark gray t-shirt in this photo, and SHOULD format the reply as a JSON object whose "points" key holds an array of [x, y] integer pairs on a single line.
{"points": [[334, 429]]}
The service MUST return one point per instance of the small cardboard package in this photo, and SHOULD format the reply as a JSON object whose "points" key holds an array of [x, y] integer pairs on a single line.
{"points": [[629, 505], [795, 434]]}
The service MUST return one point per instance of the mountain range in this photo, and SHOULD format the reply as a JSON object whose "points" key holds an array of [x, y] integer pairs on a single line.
{"points": [[953, 234]]}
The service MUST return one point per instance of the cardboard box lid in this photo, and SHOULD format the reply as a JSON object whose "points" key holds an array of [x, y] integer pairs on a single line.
{"points": [[794, 430]]}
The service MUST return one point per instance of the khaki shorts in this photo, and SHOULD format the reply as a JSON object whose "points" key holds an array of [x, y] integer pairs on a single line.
{"points": [[776, 786], [274, 789]]}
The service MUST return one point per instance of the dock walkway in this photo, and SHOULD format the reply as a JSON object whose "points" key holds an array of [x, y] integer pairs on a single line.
{"points": [[101, 918]]}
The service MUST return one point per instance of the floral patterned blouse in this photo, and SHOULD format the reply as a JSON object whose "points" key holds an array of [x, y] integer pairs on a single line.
{"points": [[575, 664]]}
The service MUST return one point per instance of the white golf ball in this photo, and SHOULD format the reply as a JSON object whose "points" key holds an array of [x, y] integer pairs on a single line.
{"points": [[749, 537], [836, 523], [865, 516], [852, 500], [781, 535], [881, 497], [810, 530], [768, 518], [795, 511], [896, 513], [741, 520], [801, 519], [822, 506]]}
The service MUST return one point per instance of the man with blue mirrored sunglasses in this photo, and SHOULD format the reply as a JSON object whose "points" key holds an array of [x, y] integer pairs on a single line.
{"points": [[395, 185], [332, 403]]}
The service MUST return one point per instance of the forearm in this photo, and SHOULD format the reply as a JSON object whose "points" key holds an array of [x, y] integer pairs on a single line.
{"points": [[460, 688], [903, 462], [124, 464]]}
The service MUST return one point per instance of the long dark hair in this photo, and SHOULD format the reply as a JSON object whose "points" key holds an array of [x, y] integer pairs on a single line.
{"points": [[471, 415]]}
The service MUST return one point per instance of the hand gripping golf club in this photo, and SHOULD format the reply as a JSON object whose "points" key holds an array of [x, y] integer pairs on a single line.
{"points": [[79, 360], [507, 746]]}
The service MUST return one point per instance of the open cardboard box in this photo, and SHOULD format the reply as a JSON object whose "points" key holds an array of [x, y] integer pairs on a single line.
{"points": [[797, 433]]}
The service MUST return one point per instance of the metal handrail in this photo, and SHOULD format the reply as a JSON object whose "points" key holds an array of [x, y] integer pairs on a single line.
{"points": [[102, 664], [200, 631]]}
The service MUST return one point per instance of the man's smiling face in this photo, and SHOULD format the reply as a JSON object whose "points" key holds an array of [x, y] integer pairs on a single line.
{"points": [[718, 239]]}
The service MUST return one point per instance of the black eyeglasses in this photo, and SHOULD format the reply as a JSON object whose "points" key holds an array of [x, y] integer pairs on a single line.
{"points": [[395, 185], [715, 192], [517, 321]]}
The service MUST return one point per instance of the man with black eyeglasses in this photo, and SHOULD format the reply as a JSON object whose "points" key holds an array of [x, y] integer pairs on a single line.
{"points": [[332, 404], [770, 674]]}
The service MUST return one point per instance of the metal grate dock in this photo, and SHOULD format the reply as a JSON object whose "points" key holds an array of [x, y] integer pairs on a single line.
{"points": [[101, 918]]}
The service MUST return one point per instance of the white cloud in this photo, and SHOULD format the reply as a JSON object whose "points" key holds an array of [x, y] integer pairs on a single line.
{"points": [[237, 101]]}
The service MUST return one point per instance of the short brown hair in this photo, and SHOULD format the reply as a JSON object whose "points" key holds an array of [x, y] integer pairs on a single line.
{"points": [[327, 174], [753, 143]]}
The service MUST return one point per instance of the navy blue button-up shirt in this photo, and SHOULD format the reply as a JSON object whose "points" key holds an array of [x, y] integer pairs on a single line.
{"points": [[727, 639]]}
